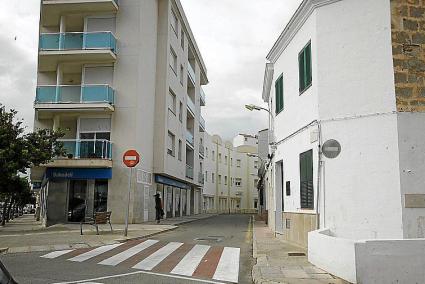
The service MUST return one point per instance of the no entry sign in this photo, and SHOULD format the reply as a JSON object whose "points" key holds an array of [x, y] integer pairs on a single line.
{"points": [[131, 158]]}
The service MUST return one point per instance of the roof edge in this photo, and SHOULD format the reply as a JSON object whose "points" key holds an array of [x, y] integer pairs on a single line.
{"points": [[300, 16], [267, 83]]}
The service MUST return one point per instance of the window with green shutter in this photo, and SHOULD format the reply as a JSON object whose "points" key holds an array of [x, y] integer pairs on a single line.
{"points": [[306, 180], [279, 94], [304, 68]]}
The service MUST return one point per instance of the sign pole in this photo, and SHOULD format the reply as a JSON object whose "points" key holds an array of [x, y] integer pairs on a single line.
{"points": [[128, 203]]}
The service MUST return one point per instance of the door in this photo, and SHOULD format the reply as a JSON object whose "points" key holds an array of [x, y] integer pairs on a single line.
{"points": [[279, 197], [177, 202], [169, 202], [77, 201]]}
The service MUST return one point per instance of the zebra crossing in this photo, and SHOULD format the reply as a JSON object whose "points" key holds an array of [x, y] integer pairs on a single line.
{"points": [[175, 258]]}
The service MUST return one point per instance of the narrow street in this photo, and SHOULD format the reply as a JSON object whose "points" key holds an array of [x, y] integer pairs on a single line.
{"points": [[214, 250]]}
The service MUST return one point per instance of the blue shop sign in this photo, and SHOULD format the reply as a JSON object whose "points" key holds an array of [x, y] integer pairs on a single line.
{"points": [[170, 182], [70, 173]]}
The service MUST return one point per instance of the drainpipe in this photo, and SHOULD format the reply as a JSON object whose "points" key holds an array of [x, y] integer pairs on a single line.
{"points": [[319, 173]]}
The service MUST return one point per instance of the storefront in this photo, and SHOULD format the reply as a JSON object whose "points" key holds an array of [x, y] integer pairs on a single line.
{"points": [[175, 196], [69, 194]]}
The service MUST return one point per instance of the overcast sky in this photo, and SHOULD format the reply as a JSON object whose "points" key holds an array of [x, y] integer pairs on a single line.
{"points": [[234, 37]]}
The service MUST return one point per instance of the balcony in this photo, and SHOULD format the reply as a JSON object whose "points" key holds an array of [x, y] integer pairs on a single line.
{"points": [[201, 178], [191, 73], [189, 138], [53, 9], [74, 97], [99, 47], [84, 153], [202, 124], [201, 150], [191, 105], [202, 98], [189, 171]]}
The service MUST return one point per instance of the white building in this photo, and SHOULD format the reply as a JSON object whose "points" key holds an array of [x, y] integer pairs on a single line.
{"points": [[119, 75], [230, 174], [351, 71]]}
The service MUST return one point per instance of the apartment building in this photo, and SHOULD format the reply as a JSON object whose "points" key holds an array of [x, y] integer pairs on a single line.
{"points": [[119, 75], [230, 175], [344, 82]]}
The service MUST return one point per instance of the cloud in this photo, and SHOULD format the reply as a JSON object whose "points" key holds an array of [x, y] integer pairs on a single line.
{"points": [[234, 37]]}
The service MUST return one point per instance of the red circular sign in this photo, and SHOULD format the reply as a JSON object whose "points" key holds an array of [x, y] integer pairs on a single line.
{"points": [[131, 158]]}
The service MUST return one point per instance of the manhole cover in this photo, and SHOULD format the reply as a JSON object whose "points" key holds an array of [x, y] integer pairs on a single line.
{"points": [[210, 239]]}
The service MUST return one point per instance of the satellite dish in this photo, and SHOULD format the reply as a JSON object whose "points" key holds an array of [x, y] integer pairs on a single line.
{"points": [[331, 149]]}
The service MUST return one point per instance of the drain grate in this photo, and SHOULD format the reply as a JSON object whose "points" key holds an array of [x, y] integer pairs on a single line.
{"points": [[210, 239], [296, 254]]}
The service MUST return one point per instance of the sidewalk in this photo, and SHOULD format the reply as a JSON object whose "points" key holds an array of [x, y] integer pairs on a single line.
{"points": [[24, 234], [274, 265]]}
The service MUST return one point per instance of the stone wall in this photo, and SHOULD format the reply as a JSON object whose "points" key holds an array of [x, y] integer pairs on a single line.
{"points": [[296, 227], [408, 42]]}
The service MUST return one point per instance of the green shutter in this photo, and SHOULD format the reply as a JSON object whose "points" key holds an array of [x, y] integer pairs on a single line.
{"points": [[279, 94], [306, 180], [301, 70], [308, 64], [304, 67]]}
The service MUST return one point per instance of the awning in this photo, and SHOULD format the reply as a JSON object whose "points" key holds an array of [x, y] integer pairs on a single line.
{"points": [[170, 182]]}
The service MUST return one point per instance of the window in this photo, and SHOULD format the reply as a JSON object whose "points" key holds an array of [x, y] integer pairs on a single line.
{"points": [[219, 179], [255, 164], [182, 38], [206, 152], [238, 182], [171, 144], [255, 203], [255, 183], [306, 180], [172, 102], [219, 157], [212, 177], [206, 176], [225, 160], [181, 74], [181, 112], [288, 188], [279, 94], [225, 180], [173, 60], [213, 155], [304, 68], [246, 139], [180, 150], [174, 21], [238, 163], [231, 162]]}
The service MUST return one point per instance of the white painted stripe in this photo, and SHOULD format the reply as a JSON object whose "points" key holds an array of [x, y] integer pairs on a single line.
{"points": [[190, 262], [94, 252], [189, 280], [154, 259], [118, 258], [228, 267], [130, 158], [56, 253]]}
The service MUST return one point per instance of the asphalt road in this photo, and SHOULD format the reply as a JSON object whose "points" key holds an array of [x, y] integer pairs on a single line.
{"points": [[218, 234]]}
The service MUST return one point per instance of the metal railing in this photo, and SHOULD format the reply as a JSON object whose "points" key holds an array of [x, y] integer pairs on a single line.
{"points": [[201, 149], [202, 97], [189, 137], [201, 178], [191, 73], [189, 171], [190, 104], [87, 148], [78, 41], [74, 94], [202, 122]]}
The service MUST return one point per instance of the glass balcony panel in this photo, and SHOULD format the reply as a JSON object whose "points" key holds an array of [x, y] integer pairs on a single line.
{"points": [[191, 72], [49, 41], [189, 171], [201, 178], [71, 41], [46, 94], [202, 97], [70, 148], [78, 41], [202, 122], [69, 94], [95, 149], [190, 104], [100, 40], [98, 93], [189, 137]]}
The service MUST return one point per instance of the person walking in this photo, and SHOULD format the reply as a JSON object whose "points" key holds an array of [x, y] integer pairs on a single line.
{"points": [[158, 208]]}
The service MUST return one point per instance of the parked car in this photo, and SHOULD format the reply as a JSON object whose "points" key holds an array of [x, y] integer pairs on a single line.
{"points": [[5, 277]]}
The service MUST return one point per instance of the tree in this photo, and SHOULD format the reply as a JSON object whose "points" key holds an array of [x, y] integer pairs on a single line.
{"points": [[20, 151]]}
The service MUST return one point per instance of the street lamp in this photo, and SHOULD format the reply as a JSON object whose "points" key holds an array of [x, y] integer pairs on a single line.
{"points": [[252, 107]]}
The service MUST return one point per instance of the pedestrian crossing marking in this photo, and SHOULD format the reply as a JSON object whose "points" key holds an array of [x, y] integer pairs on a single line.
{"points": [[56, 254], [154, 259], [228, 267], [190, 262], [93, 253], [196, 261], [118, 258]]}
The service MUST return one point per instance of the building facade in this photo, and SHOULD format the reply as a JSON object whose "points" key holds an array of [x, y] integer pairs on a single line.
{"points": [[230, 175], [119, 75], [350, 71]]}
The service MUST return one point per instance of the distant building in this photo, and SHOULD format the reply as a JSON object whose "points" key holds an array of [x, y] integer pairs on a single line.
{"points": [[351, 71]]}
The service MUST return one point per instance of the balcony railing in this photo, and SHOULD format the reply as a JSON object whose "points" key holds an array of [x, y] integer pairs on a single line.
{"points": [[87, 149], [202, 98], [201, 149], [191, 73], [47, 1], [75, 94], [190, 104], [189, 137], [201, 178], [78, 41], [189, 171], [202, 122]]}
